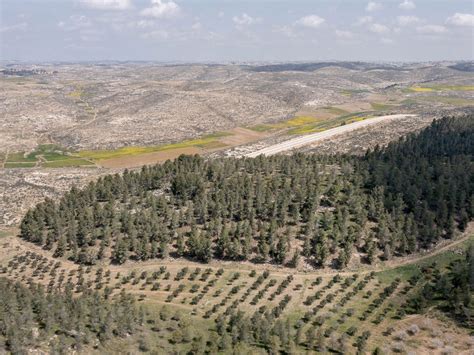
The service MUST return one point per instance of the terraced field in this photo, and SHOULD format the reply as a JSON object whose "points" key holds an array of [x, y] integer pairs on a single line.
{"points": [[360, 310], [53, 156], [45, 155]]}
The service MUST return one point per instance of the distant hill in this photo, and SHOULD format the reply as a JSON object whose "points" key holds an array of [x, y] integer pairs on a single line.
{"points": [[308, 67], [467, 66]]}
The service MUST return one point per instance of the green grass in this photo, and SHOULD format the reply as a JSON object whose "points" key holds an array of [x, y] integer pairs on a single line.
{"points": [[54, 155], [449, 100], [300, 121], [20, 157], [261, 128], [209, 142], [407, 271], [57, 156], [67, 163], [309, 124], [403, 272], [335, 110], [19, 164], [350, 92], [305, 130], [295, 122], [218, 135], [320, 126], [409, 102], [380, 107], [441, 88]]}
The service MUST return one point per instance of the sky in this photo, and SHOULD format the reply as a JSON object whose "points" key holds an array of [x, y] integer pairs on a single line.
{"points": [[236, 30]]}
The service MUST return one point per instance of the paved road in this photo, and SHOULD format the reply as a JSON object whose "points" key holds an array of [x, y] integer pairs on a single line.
{"points": [[315, 137]]}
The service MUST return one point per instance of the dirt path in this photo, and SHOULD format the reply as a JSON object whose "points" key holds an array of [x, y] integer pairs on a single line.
{"points": [[6, 158], [314, 137], [17, 245], [469, 232], [40, 160]]}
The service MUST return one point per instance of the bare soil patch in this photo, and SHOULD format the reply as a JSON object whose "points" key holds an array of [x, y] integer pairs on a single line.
{"points": [[148, 158]]}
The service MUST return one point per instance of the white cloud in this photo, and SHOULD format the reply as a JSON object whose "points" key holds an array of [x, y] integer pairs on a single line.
{"points": [[197, 26], [407, 5], [373, 6], [221, 14], [107, 4], [461, 20], [162, 9], [364, 20], [287, 31], [431, 29], [344, 34], [386, 40], [158, 34], [142, 24], [311, 21], [246, 20], [17, 27], [90, 35], [408, 20], [75, 22], [378, 28], [83, 26]]}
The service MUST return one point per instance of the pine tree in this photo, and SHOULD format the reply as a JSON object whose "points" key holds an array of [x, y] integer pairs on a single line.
{"points": [[120, 251], [310, 337], [60, 247], [180, 244], [281, 249]]}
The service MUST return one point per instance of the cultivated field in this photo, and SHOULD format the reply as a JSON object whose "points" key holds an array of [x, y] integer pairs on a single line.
{"points": [[296, 143], [69, 124], [353, 309], [110, 106]]}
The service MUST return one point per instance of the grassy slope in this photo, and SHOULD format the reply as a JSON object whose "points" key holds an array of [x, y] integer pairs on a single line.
{"points": [[47, 155], [154, 301]]}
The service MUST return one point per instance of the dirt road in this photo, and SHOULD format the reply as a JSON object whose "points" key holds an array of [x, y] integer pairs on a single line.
{"points": [[314, 137]]}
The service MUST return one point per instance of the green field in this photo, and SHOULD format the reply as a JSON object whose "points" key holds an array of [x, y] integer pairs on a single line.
{"points": [[47, 155], [308, 124], [53, 156], [441, 88], [319, 126], [67, 163], [449, 100], [380, 106], [350, 92], [20, 164], [261, 128], [206, 142], [335, 110], [21, 157]]}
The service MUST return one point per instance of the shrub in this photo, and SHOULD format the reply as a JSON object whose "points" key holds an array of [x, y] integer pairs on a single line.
{"points": [[351, 331], [413, 329], [400, 336], [398, 347]]}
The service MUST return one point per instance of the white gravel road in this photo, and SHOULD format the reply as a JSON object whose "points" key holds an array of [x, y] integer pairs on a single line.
{"points": [[314, 137]]}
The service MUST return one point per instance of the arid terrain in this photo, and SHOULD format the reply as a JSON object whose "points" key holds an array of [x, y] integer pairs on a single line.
{"points": [[112, 105], [71, 119], [66, 125]]}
